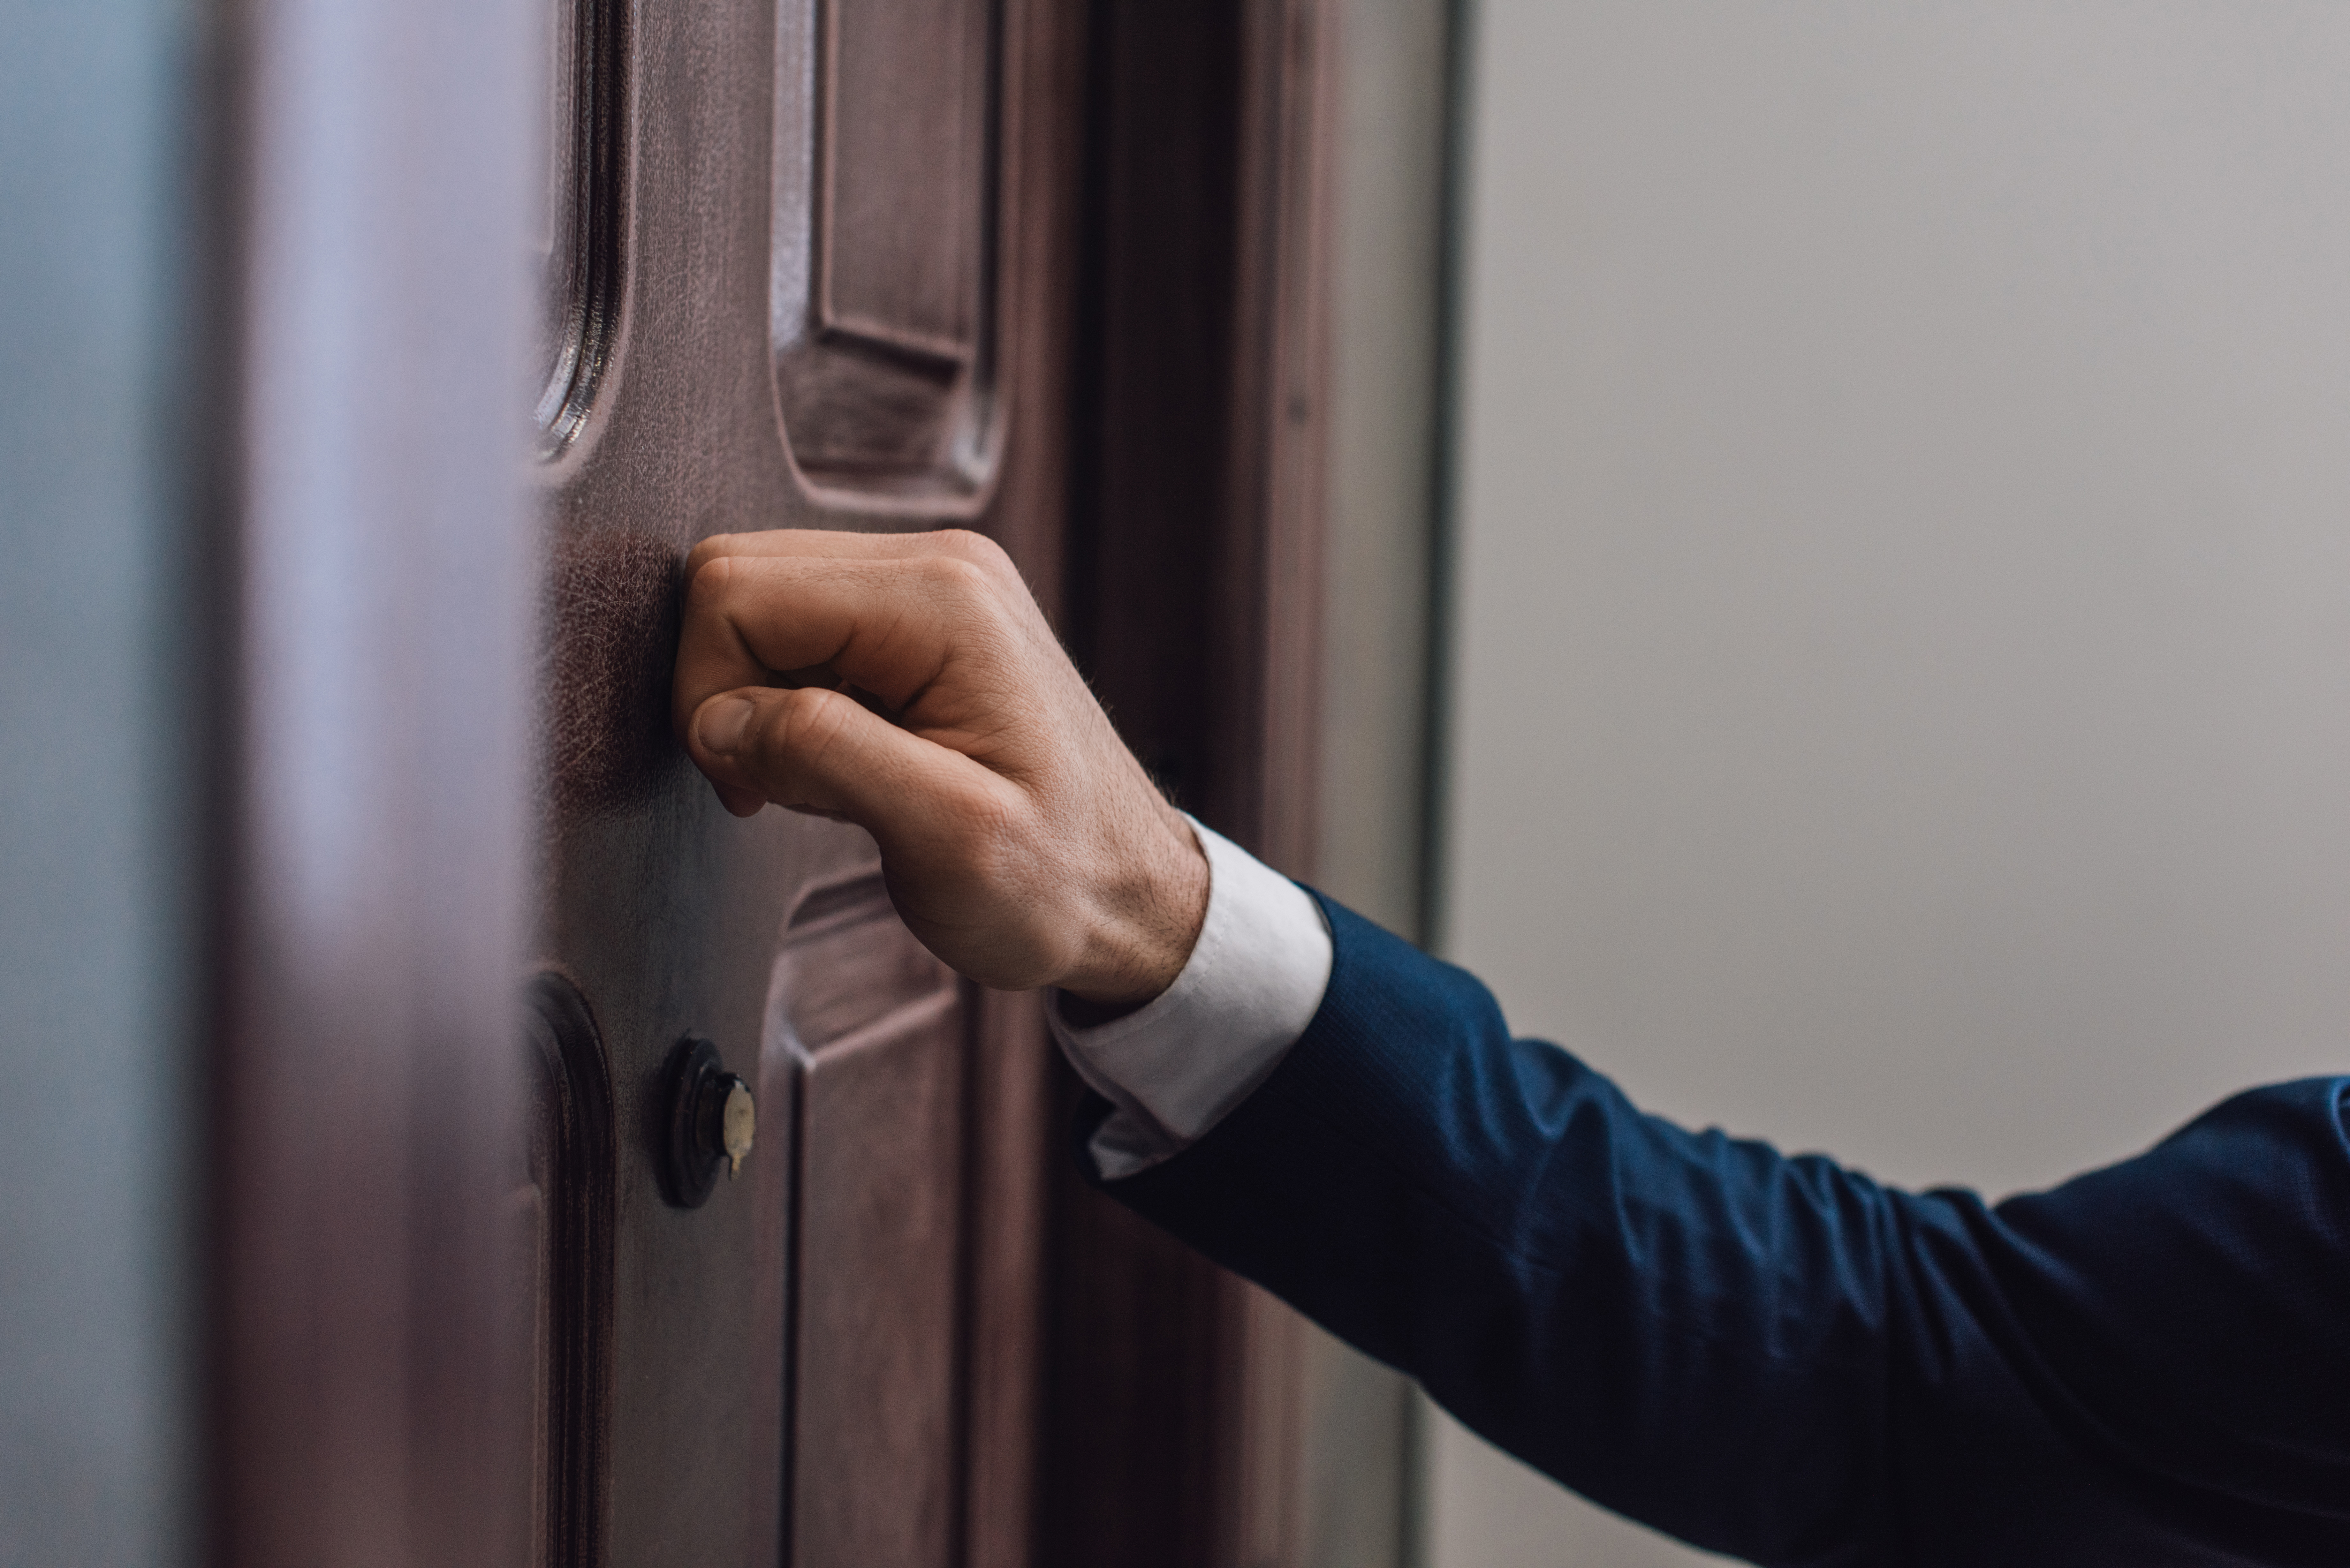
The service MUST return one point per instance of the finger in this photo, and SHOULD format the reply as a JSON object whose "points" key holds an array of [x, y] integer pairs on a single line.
{"points": [[818, 751], [889, 626], [834, 544]]}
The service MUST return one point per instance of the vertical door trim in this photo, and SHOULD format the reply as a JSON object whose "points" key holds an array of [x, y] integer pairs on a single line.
{"points": [[1195, 591]]}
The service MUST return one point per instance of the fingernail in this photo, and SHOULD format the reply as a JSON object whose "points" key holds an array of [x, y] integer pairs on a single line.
{"points": [[722, 725]]}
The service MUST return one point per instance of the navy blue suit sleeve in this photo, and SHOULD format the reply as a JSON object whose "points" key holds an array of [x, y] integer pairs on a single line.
{"points": [[1776, 1357]]}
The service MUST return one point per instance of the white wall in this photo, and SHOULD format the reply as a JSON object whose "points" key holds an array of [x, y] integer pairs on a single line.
{"points": [[1901, 698]]}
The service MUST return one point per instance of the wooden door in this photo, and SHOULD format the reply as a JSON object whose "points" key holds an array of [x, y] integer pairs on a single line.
{"points": [[801, 267], [476, 1298]]}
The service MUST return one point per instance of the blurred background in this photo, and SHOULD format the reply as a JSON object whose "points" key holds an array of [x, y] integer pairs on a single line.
{"points": [[1895, 689], [1836, 607]]}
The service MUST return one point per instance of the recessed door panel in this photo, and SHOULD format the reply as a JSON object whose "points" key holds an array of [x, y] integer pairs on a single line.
{"points": [[904, 151], [886, 178], [876, 1278], [868, 1037]]}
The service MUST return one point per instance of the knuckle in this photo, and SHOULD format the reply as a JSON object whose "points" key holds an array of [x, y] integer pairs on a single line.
{"points": [[804, 722], [987, 557], [957, 580], [717, 547], [708, 584], [966, 544]]}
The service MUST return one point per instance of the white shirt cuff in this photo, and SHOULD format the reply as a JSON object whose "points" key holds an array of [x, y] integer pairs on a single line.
{"points": [[1176, 1067]]}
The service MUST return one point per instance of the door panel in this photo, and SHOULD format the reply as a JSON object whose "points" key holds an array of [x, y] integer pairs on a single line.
{"points": [[866, 1040], [886, 198], [906, 101]]}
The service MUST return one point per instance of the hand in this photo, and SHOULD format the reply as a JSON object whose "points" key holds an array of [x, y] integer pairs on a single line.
{"points": [[1020, 839]]}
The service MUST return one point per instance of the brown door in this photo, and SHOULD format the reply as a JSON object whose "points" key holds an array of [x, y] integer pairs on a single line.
{"points": [[1040, 267], [800, 270]]}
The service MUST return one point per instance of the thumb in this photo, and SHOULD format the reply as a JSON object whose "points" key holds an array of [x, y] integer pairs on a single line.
{"points": [[818, 750]]}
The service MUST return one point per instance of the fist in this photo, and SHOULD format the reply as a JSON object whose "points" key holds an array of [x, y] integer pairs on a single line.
{"points": [[908, 683]]}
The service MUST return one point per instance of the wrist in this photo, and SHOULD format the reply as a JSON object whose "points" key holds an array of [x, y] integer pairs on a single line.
{"points": [[1148, 924]]}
